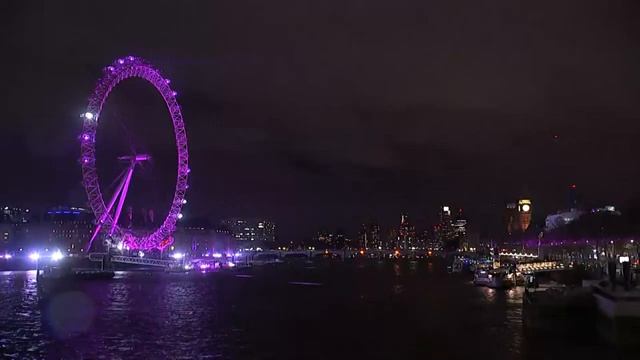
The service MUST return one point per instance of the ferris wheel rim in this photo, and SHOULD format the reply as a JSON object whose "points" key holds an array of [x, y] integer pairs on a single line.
{"points": [[120, 70]]}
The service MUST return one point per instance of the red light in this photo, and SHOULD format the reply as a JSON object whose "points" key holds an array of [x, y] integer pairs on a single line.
{"points": [[573, 186]]}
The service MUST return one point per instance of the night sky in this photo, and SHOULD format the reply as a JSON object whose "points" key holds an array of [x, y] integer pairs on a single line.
{"points": [[329, 113]]}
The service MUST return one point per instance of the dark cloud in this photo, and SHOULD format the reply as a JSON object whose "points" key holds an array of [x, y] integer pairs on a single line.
{"points": [[327, 113]]}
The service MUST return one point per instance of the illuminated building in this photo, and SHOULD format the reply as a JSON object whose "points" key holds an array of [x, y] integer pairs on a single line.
{"points": [[251, 233], [406, 234], [324, 240], [459, 231], [14, 227], [518, 216], [369, 237], [443, 231], [376, 239], [69, 228], [391, 240], [561, 219], [524, 214], [15, 215]]}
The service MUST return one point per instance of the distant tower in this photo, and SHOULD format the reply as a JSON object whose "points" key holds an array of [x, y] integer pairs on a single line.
{"points": [[573, 196], [444, 230], [524, 214], [510, 216], [459, 227]]}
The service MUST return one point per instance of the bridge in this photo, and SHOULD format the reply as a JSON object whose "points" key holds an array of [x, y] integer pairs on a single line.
{"points": [[249, 258], [344, 254], [134, 260]]}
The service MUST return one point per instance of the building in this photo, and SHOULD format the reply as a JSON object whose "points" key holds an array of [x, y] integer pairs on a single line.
{"points": [[518, 216], [369, 237], [459, 231], [324, 240], [66, 228], [443, 231], [251, 233], [14, 227], [406, 234], [375, 238], [332, 240], [561, 219]]}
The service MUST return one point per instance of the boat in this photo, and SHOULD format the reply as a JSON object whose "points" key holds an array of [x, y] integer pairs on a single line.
{"points": [[495, 279]]}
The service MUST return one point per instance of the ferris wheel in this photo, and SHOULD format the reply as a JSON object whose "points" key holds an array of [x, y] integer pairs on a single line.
{"points": [[107, 214]]}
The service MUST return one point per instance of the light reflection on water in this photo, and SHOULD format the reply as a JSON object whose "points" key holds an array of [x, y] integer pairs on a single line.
{"points": [[400, 307]]}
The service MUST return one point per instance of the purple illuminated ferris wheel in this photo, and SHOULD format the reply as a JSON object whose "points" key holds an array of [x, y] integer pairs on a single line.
{"points": [[107, 214]]}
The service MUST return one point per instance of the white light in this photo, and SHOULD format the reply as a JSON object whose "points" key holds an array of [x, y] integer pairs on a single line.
{"points": [[526, 207], [180, 215], [184, 201], [177, 256], [231, 264], [140, 254], [88, 115], [120, 246], [7, 256], [56, 256], [34, 256], [188, 267]]}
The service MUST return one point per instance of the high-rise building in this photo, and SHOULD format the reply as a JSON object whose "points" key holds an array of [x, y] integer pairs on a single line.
{"points": [[406, 234], [375, 241], [391, 241], [444, 230], [369, 237], [459, 231]]}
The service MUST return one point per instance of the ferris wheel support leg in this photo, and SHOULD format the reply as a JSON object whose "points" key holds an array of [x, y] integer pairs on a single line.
{"points": [[104, 216], [123, 195]]}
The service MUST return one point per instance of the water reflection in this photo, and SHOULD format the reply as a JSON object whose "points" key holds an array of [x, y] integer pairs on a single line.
{"points": [[406, 311]]}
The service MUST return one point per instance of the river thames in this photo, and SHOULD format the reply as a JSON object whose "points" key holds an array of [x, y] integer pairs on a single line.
{"points": [[351, 310]]}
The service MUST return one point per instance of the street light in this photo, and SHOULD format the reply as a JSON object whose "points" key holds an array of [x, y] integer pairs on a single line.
{"points": [[56, 256]]}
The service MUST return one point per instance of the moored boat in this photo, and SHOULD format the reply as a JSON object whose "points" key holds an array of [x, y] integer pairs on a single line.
{"points": [[495, 279]]}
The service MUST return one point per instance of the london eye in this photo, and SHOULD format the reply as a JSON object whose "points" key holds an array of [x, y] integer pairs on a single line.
{"points": [[107, 211]]}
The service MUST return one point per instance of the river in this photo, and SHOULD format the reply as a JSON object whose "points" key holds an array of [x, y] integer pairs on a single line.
{"points": [[340, 310]]}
